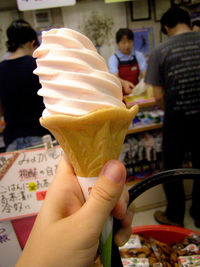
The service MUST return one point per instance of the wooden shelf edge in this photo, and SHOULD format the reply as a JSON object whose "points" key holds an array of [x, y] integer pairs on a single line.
{"points": [[148, 103], [145, 128]]}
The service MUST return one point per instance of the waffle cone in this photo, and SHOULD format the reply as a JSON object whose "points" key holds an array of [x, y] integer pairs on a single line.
{"points": [[92, 139]]}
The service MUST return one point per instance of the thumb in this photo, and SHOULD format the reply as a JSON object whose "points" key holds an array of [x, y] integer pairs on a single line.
{"points": [[105, 193]]}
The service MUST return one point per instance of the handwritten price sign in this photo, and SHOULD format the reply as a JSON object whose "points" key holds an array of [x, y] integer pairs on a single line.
{"points": [[24, 179]]}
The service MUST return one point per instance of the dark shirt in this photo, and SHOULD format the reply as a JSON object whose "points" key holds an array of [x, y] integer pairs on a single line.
{"points": [[20, 102], [175, 65]]}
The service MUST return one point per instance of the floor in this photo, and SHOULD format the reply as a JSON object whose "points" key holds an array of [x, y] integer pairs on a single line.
{"points": [[142, 217]]}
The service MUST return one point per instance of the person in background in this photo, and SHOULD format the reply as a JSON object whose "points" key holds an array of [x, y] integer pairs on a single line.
{"points": [[196, 25], [20, 104], [8, 53], [67, 230], [126, 63], [173, 71]]}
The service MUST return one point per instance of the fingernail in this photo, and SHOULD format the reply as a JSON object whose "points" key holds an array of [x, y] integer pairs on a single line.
{"points": [[113, 171], [122, 237], [123, 241]]}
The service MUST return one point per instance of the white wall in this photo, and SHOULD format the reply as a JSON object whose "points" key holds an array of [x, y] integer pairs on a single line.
{"points": [[6, 18], [75, 16], [155, 197], [147, 23]]}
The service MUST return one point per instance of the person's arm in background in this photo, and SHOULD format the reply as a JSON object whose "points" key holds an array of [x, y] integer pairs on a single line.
{"points": [[127, 86], [67, 229], [113, 68], [153, 77], [158, 94], [1, 109], [142, 63], [142, 74]]}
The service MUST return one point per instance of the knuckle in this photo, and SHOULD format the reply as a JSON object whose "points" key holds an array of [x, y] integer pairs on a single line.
{"points": [[100, 194], [132, 207]]}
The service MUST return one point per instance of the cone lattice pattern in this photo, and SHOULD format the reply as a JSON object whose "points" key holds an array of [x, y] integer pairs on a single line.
{"points": [[91, 140]]}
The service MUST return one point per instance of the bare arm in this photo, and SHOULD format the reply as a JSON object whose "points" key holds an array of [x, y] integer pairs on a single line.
{"points": [[58, 238], [1, 109], [142, 74], [159, 96], [127, 86]]}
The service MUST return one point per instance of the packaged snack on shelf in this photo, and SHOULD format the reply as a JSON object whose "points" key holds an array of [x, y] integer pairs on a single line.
{"points": [[156, 116], [148, 117], [133, 150], [185, 253], [142, 154], [150, 147], [190, 245], [158, 264], [189, 261], [192, 248], [125, 153], [141, 119], [133, 242], [135, 262]]}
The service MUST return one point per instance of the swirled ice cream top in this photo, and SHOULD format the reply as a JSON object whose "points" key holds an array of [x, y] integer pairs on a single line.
{"points": [[74, 77]]}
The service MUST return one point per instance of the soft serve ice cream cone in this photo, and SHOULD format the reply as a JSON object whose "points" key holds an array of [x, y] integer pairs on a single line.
{"points": [[84, 108]]}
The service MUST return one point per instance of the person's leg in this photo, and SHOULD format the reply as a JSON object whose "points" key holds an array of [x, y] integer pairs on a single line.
{"points": [[195, 208], [175, 196], [174, 191], [195, 144]]}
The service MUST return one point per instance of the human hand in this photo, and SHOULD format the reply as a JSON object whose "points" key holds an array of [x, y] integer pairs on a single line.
{"points": [[67, 230], [127, 86]]}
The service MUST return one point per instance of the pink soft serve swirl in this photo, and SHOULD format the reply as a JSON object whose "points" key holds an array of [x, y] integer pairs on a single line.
{"points": [[74, 77]]}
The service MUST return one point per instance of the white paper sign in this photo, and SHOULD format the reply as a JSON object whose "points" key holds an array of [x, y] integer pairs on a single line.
{"points": [[9, 246], [40, 4], [24, 179]]}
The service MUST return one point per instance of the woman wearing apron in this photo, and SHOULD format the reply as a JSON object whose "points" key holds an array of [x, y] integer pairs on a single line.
{"points": [[126, 63]]}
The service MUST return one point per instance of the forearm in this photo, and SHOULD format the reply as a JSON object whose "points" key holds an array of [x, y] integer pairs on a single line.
{"points": [[1, 109], [160, 104], [121, 80], [142, 74], [159, 96]]}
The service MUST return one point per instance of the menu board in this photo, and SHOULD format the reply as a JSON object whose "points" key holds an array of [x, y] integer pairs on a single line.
{"points": [[24, 5], [24, 179]]}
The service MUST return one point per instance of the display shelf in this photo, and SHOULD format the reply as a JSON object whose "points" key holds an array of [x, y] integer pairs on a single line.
{"points": [[193, 3], [144, 128], [129, 184], [148, 103], [143, 103]]}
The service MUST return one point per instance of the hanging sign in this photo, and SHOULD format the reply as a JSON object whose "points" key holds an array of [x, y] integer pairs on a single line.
{"points": [[115, 1], [25, 5], [24, 179]]}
